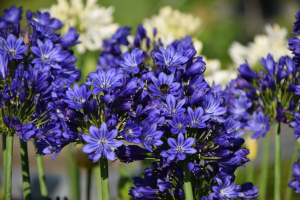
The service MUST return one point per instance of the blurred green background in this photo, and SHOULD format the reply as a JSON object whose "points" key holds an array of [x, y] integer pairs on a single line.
{"points": [[223, 21]]}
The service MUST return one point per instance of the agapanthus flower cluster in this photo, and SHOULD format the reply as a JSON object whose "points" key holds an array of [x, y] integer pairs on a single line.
{"points": [[160, 102], [36, 67], [295, 179]]}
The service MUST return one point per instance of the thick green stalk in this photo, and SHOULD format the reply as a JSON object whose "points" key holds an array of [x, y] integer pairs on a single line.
{"points": [[277, 183], [188, 191], [4, 156], [250, 172], [263, 182], [73, 170], [25, 170], [42, 179], [8, 166], [288, 190], [104, 178], [97, 173], [88, 185]]}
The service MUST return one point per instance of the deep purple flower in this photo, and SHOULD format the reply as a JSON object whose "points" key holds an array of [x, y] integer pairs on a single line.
{"points": [[296, 27], [295, 182], [141, 192], [296, 125], [181, 147], [269, 64], [28, 131], [170, 58], [13, 15], [12, 46], [225, 189], [45, 20], [104, 80], [69, 39], [211, 106], [198, 67], [131, 153], [171, 108], [101, 141], [151, 136], [3, 65], [78, 97], [131, 61], [239, 108], [246, 72], [195, 83], [259, 124], [47, 54], [178, 124], [163, 85], [196, 118], [131, 132]]}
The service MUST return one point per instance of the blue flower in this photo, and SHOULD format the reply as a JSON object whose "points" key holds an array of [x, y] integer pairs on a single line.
{"points": [[69, 39], [13, 15], [170, 58], [171, 108], [151, 136], [101, 141], [195, 83], [131, 61], [47, 54], [3, 66], [12, 46], [181, 147], [163, 85], [78, 97], [239, 108], [246, 72], [211, 106], [141, 192], [131, 132], [295, 182], [269, 64], [104, 80], [196, 119], [296, 125], [178, 124], [296, 27], [259, 124], [225, 190], [46, 21]]}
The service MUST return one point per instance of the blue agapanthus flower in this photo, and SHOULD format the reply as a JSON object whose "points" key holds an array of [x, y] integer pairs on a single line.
{"points": [[104, 80], [180, 147], [239, 108], [13, 15], [259, 124], [13, 47], [164, 85], [47, 54], [171, 107], [131, 132], [101, 141], [3, 65], [212, 106], [196, 119], [131, 61], [151, 136], [78, 97], [171, 58], [178, 124]]}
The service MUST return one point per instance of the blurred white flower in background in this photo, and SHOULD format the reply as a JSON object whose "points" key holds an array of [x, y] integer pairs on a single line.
{"points": [[92, 21], [274, 41]]}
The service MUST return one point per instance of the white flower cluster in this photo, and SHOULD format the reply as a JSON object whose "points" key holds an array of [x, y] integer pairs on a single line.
{"points": [[274, 41], [94, 23]]}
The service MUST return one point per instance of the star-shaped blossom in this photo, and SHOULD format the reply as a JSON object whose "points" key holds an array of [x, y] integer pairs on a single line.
{"points": [[164, 85], [13, 47], [131, 132], [212, 106], [180, 147], [104, 80], [239, 108], [151, 136], [47, 54], [196, 118], [131, 61], [259, 124], [13, 15], [101, 141], [178, 124], [171, 107], [78, 97]]}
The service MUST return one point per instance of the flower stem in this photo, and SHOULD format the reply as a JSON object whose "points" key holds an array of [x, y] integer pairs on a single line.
{"points": [[289, 190], [187, 181], [264, 166], [250, 171], [8, 166], [4, 155], [42, 179], [104, 178], [88, 185], [73, 170], [277, 184], [97, 173], [25, 170]]}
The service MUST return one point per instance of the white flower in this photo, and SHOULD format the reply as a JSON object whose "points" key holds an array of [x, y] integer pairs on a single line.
{"points": [[94, 23], [274, 41], [171, 25]]}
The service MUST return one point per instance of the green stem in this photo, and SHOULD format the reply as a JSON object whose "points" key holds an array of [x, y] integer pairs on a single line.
{"points": [[73, 170], [42, 179], [289, 191], [4, 155], [187, 181], [277, 183], [88, 185], [25, 170], [264, 167], [104, 178], [8, 166], [97, 174], [250, 172]]}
